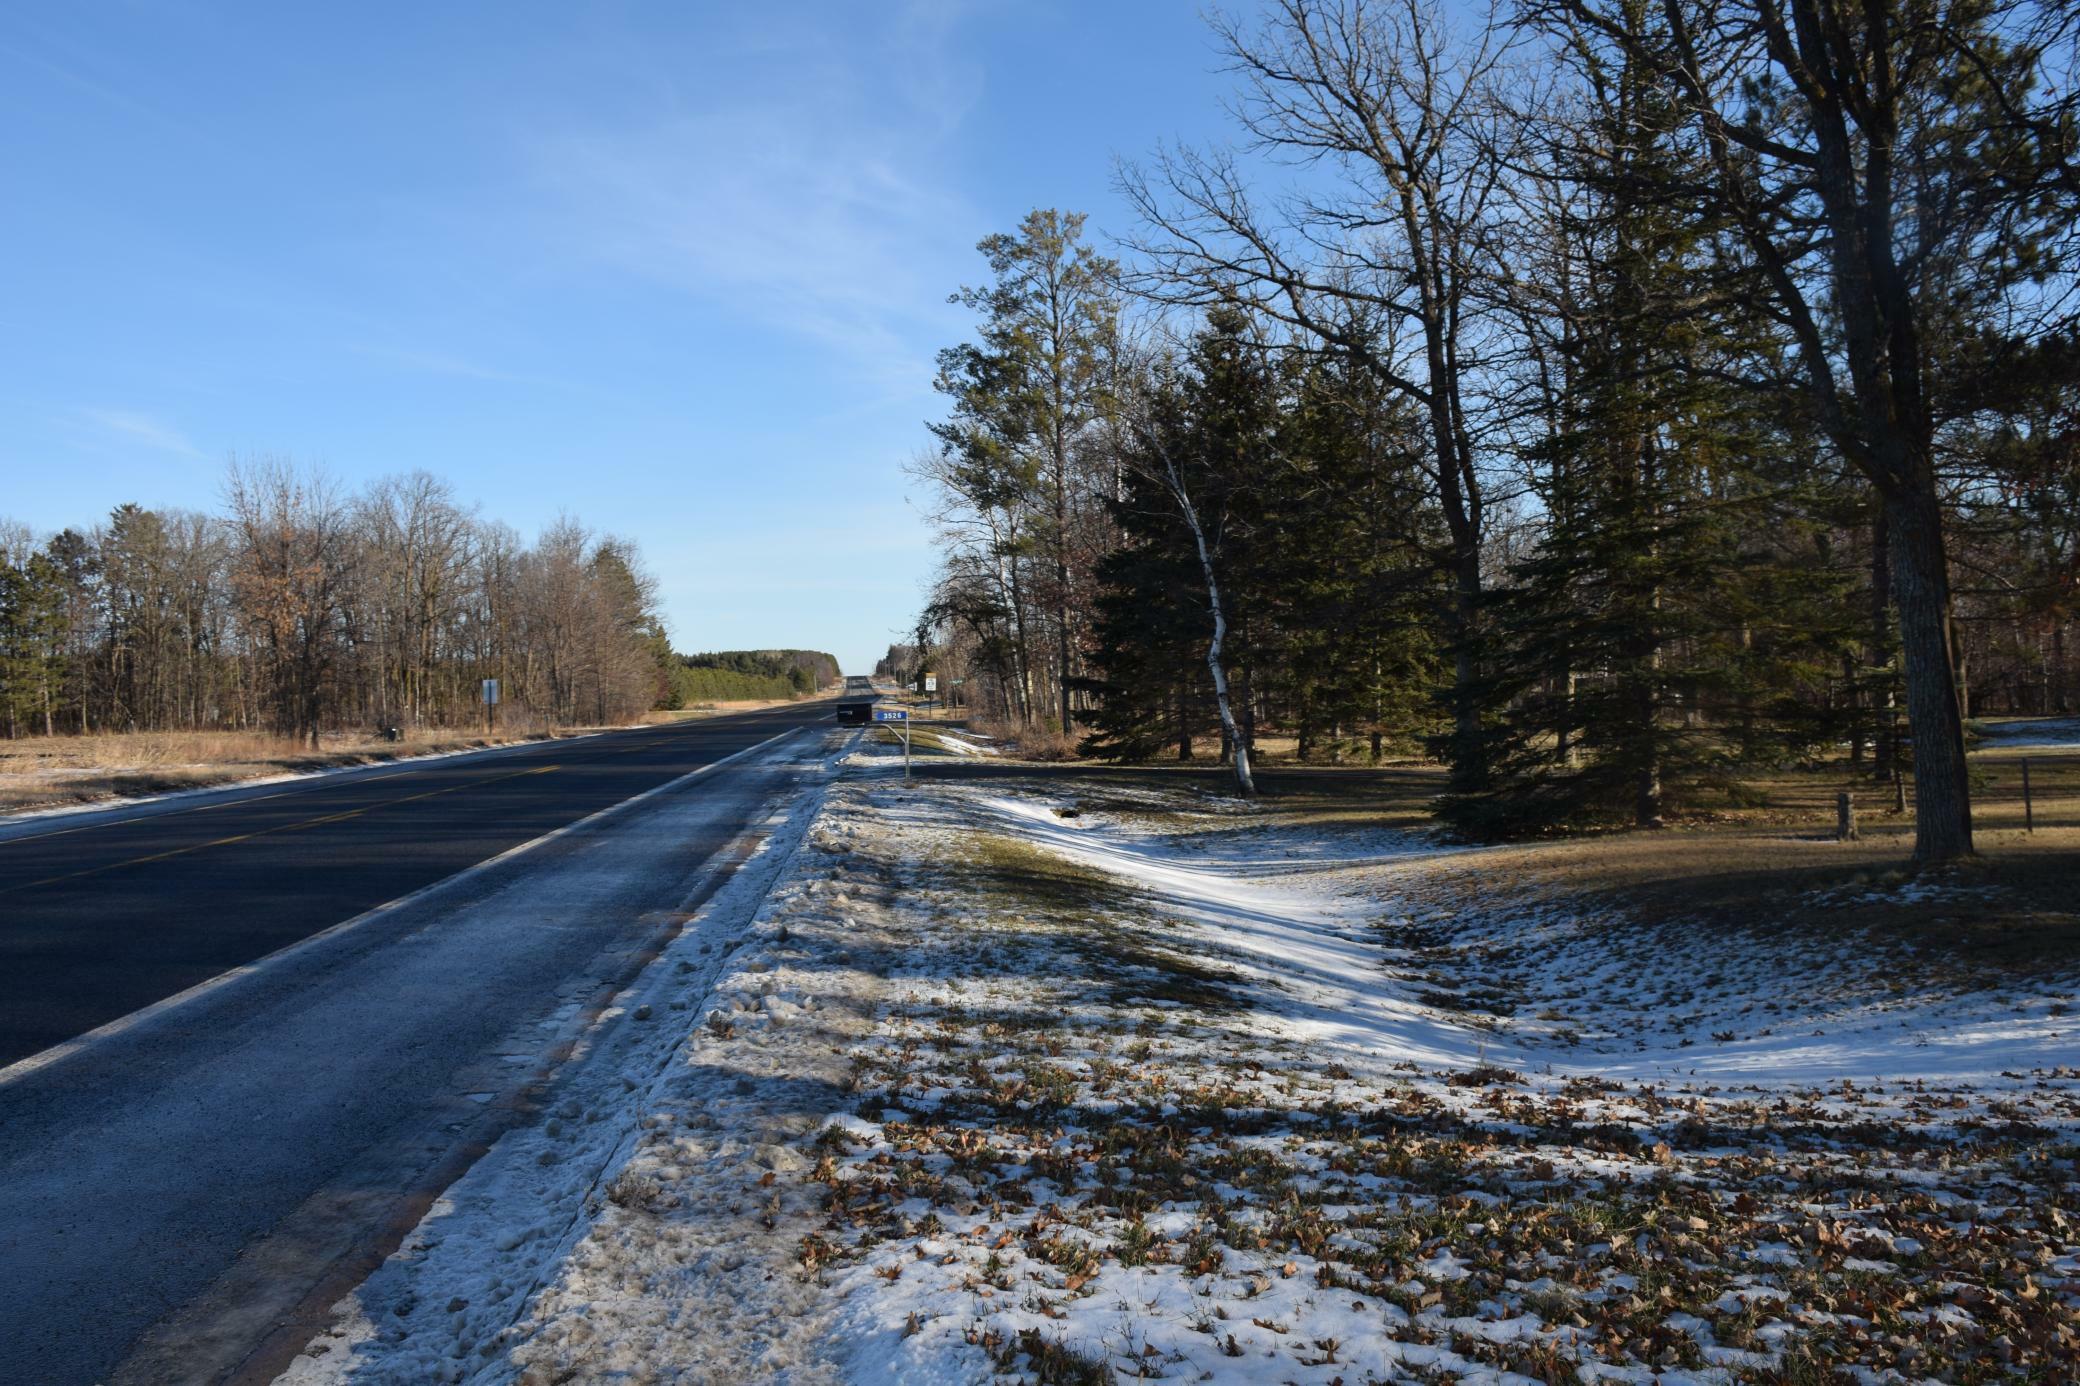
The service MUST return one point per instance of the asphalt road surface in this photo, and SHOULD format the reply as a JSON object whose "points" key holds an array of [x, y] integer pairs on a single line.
{"points": [[217, 1105]]}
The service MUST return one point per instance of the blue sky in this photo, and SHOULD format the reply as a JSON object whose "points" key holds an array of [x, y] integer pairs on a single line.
{"points": [[677, 269]]}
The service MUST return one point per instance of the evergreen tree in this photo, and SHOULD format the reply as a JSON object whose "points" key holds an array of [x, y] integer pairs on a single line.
{"points": [[1321, 543], [1024, 397], [79, 567], [32, 642], [1346, 565], [1149, 691], [1630, 660], [1193, 491]]}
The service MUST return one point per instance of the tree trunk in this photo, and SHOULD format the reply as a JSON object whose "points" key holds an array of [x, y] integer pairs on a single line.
{"points": [[1885, 753], [1231, 734], [1469, 756], [1858, 736], [1021, 654], [1921, 589], [1245, 782], [1249, 709], [2059, 682], [1061, 577]]}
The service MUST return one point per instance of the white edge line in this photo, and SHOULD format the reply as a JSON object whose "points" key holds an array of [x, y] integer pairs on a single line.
{"points": [[57, 1053]]}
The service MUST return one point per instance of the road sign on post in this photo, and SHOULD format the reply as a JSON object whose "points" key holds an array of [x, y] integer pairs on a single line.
{"points": [[902, 716], [490, 697]]}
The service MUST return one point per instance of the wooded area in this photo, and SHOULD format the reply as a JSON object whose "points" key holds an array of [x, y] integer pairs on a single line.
{"points": [[1611, 397], [303, 609], [733, 675]]}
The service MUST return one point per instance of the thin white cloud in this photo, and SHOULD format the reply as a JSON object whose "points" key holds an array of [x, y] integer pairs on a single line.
{"points": [[132, 426], [438, 363], [804, 191]]}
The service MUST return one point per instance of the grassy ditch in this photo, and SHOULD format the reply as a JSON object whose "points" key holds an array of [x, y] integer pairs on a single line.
{"points": [[1074, 1115]]}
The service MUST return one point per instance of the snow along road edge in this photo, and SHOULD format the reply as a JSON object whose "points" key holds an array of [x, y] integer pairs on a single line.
{"points": [[487, 1277]]}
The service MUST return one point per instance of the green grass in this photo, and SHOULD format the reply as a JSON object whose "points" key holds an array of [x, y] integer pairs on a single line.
{"points": [[1017, 884], [923, 740]]}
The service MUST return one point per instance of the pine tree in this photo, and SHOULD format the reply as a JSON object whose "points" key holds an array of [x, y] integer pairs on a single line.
{"points": [[1347, 558], [1023, 398], [1194, 486], [1648, 641], [32, 642], [1322, 545]]}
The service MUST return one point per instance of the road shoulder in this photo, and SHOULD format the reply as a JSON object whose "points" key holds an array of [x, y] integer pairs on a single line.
{"points": [[654, 1156], [1073, 1079]]}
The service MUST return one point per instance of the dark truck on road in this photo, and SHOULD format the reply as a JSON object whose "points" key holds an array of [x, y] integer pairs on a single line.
{"points": [[856, 706]]}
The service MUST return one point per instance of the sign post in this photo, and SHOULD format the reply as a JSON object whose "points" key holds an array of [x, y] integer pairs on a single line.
{"points": [[901, 716], [490, 696]]}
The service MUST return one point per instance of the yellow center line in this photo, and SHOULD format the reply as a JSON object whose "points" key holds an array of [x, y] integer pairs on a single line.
{"points": [[282, 828], [402, 771], [195, 808], [398, 770]]}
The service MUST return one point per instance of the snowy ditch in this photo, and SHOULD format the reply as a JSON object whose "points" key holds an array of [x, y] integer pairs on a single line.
{"points": [[977, 1080]]}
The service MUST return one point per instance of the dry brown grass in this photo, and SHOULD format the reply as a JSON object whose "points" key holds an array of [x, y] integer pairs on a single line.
{"points": [[1038, 742], [660, 717], [1772, 864], [1765, 863], [52, 771], [2015, 906]]}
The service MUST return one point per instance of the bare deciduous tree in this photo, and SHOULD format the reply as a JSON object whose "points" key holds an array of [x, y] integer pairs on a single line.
{"points": [[1393, 114]]}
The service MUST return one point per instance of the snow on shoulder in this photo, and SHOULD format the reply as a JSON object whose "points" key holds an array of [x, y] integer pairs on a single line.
{"points": [[2016, 733], [1007, 1080], [1165, 1090]]}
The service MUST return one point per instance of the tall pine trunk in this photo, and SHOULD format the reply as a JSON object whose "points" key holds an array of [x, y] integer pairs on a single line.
{"points": [[1469, 757], [1921, 591], [1061, 563]]}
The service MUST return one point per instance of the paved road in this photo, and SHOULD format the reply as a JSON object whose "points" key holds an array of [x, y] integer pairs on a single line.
{"points": [[174, 1190], [102, 915]]}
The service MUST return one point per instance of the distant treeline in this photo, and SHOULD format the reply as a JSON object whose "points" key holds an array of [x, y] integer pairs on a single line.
{"points": [[735, 675], [302, 607]]}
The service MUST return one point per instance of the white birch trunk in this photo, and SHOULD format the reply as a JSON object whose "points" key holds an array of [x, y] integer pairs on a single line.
{"points": [[1244, 781]]}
